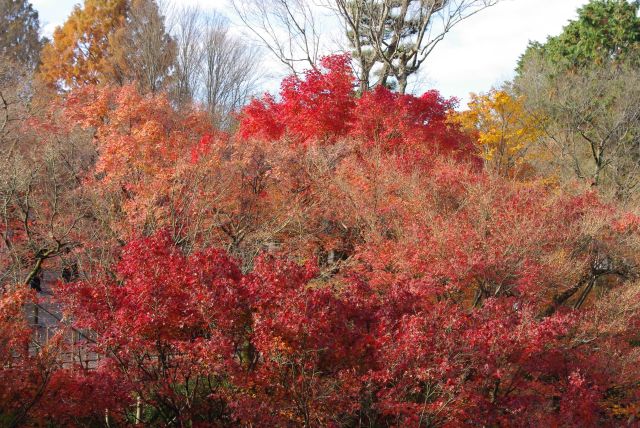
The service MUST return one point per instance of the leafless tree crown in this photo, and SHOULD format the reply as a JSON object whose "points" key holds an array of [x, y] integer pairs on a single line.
{"points": [[213, 66], [391, 39]]}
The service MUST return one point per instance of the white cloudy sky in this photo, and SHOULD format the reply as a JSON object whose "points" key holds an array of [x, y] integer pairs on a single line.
{"points": [[481, 52]]}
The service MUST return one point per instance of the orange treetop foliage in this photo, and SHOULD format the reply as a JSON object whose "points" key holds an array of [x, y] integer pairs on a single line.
{"points": [[79, 52], [160, 167], [143, 133], [141, 141]]}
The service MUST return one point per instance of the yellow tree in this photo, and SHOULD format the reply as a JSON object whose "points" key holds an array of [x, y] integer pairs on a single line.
{"points": [[79, 52], [505, 133]]}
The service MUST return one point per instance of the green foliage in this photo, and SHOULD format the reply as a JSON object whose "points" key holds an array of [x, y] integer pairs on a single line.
{"points": [[605, 30]]}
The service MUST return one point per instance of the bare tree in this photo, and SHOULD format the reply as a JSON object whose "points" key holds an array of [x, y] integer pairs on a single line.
{"points": [[393, 38], [43, 207], [229, 71], [591, 118], [142, 49], [15, 90], [287, 28], [188, 35], [214, 68]]}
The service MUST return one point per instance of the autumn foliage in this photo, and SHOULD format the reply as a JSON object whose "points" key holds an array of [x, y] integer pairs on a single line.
{"points": [[323, 108], [337, 261], [506, 134], [79, 51]]}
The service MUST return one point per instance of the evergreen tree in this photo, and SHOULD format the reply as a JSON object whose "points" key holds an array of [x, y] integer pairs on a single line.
{"points": [[606, 30], [19, 25]]}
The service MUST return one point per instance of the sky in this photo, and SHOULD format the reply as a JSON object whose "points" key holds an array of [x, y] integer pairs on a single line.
{"points": [[479, 53]]}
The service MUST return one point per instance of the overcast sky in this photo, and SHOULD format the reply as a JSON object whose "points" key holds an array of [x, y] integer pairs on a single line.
{"points": [[478, 54]]}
